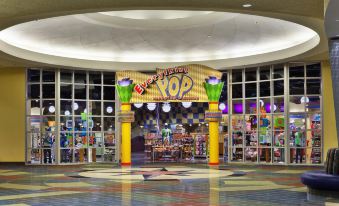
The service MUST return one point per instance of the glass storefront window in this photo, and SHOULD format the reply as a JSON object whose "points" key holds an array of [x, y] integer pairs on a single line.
{"points": [[33, 91], [79, 113], [237, 107], [237, 91], [250, 90], [251, 74], [265, 89], [297, 86], [236, 76], [265, 73], [289, 127], [278, 87], [33, 76]]}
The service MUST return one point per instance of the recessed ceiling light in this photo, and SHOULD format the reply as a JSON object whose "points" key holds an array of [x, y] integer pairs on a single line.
{"points": [[209, 36], [246, 5]]}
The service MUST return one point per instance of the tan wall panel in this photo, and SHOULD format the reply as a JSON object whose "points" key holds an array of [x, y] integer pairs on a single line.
{"points": [[12, 115]]}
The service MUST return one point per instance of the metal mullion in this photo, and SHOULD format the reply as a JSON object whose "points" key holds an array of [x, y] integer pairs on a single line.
{"points": [[305, 115], [258, 111], [102, 117], [117, 133], [286, 111], [322, 115], [87, 115], [272, 117], [229, 118], [57, 114], [26, 132], [243, 113], [41, 95], [73, 119]]}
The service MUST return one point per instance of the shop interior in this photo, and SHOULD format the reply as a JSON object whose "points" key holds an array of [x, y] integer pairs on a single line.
{"points": [[170, 132]]}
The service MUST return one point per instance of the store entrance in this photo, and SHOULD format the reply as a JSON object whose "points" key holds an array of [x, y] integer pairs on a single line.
{"points": [[170, 132]]}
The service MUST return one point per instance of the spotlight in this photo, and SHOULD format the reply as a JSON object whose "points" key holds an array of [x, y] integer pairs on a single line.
{"points": [[51, 109], [109, 109], [67, 113], [75, 106], [187, 104], [151, 106], [222, 106], [166, 107], [138, 105]]}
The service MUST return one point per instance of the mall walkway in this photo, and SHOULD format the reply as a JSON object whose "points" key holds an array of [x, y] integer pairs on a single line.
{"points": [[165, 185]]}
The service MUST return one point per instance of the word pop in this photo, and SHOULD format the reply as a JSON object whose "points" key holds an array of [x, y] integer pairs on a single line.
{"points": [[175, 87]]}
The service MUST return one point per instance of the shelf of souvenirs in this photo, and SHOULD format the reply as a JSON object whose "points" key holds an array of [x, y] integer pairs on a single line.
{"points": [[184, 147]]}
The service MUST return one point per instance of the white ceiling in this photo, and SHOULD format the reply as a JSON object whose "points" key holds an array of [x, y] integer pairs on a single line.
{"points": [[140, 39]]}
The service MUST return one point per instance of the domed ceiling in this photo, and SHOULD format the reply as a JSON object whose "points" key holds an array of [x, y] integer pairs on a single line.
{"points": [[138, 39]]}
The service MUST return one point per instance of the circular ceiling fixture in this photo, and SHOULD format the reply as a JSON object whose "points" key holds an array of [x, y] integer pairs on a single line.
{"points": [[67, 113], [51, 109], [151, 106], [75, 106], [166, 107], [138, 105], [186, 104], [304, 100], [103, 40], [222, 106], [109, 109]]}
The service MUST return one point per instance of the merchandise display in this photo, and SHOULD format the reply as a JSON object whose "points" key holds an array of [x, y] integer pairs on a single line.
{"points": [[178, 145]]}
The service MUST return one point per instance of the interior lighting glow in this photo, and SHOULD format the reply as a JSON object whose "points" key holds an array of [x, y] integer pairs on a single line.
{"points": [[222, 106], [247, 5], [109, 109], [187, 104], [166, 107], [151, 106], [138, 105], [51, 109]]}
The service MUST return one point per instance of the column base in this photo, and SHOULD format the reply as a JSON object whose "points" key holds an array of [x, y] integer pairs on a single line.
{"points": [[213, 163], [126, 164]]}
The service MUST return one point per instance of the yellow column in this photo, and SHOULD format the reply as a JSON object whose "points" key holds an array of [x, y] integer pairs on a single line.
{"points": [[125, 138], [213, 137]]}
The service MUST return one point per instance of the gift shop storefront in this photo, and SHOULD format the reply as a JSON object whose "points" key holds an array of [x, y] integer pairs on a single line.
{"points": [[180, 119], [269, 114]]}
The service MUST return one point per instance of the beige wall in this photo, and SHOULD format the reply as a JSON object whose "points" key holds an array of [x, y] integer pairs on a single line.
{"points": [[330, 130], [12, 115]]}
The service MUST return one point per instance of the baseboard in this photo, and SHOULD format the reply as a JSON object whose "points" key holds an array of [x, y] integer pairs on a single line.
{"points": [[12, 163]]}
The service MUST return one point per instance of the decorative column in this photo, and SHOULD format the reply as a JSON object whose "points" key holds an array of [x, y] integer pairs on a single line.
{"points": [[125, 116], [213, 87]]}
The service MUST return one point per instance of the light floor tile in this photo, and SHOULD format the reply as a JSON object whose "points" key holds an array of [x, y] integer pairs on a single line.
{"points": [[69, 184], [33, 195], [51, 175], [251, 188], [297, 189], [249, 182], [22, 187], [331, 204], [290, 171], [13, 173]]}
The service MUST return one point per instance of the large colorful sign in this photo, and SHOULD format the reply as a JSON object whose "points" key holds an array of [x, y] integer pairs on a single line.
{"points": [[183, 83]]}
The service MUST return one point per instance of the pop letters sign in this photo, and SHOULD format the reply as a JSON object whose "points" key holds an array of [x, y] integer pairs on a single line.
{"points": [[172, 83], [182, 83]]}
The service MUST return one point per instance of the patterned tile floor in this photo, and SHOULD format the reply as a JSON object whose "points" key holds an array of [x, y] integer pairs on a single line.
{"points": [[155, 184]]}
